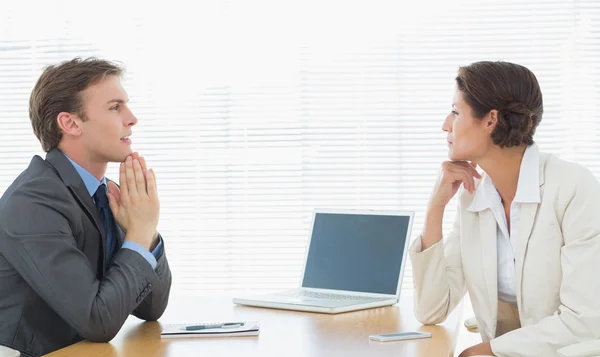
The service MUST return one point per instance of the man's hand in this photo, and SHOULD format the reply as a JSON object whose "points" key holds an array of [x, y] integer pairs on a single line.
{"points": [[482, 349], [135, 205]]}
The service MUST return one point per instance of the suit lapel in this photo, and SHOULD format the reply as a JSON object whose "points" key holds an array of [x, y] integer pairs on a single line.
{"points": [[527, 219], [82, 195], [71, 178], [489, 251], [118, 230], [120, 235], [528, 211]]}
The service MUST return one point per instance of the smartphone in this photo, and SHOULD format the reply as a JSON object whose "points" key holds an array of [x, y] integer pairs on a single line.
{"points": [[384, 337]]}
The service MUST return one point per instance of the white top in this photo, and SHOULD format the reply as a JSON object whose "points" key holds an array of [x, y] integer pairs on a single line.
{"points": [[488, 198], [557, 250]]}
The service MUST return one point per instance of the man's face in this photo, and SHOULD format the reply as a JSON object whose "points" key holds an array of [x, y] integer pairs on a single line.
{"points": [[106, 131]]}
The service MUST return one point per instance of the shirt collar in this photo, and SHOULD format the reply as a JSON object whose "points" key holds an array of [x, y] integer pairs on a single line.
{"points": [[528, 186], [91, 183]]}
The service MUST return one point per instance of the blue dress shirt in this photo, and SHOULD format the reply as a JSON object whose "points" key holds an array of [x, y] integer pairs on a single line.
{"points": [[92, 184]]}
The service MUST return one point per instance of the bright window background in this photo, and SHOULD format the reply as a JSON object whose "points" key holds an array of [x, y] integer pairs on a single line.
{"points": [[253, 113]]}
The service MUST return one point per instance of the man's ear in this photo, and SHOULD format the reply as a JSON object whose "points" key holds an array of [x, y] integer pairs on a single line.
{"points": [[491, 120], [69, 124]]}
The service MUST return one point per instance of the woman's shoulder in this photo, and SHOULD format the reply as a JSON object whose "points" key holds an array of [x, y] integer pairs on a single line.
{"points": [[556, 170]]}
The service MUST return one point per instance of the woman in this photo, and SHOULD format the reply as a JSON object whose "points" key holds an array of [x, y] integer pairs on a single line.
{"points": [[526, 240]]}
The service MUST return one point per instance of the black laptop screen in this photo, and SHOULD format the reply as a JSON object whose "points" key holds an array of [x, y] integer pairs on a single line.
{"points": [[356, 252]]}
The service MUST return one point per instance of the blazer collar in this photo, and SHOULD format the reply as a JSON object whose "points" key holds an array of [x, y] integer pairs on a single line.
{"points": [[67, 172], [69, 175], [487, 238], [530, 179]]}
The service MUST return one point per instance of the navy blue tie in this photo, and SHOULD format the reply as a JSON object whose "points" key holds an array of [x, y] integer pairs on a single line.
{"points": [[101, 201]]}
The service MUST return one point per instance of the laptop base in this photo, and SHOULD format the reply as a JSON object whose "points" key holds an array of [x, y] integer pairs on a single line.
{"points": [[274, 301]]}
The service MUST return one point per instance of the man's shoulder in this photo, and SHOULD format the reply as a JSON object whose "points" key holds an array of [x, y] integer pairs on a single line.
{"points": [[38, 181], [37, 202]]}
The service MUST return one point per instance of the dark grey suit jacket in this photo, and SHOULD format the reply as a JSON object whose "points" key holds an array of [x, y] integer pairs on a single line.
{"points": [[55, 288]]}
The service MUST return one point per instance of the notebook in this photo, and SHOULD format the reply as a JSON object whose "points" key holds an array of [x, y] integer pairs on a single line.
{"points": [[355, 261], [211, 329]]}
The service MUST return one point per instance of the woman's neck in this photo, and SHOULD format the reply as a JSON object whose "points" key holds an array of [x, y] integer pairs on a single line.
{"points": [[503, 167]]}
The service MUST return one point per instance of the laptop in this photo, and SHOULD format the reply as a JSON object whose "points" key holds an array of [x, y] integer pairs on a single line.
{"points": [[355, 260]]}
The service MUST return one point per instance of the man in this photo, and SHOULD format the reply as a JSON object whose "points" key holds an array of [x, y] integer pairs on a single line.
{"points": [[78, 253]]}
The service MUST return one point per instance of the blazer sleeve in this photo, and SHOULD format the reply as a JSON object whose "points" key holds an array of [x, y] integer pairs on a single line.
{"points": [[37, 239], [153, 305], [578, 315], [438, 275]]}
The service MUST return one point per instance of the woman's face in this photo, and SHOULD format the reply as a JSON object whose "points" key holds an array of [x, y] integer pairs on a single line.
{"points": [[468, 138]]}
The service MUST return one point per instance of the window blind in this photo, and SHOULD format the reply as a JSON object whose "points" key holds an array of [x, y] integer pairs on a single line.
{"points": [[254, 113]]}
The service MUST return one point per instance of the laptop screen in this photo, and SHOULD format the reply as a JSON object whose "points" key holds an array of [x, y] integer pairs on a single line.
{"points": [[356, 252]]}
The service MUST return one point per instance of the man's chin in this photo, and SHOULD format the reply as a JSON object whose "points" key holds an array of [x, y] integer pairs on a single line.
{"points": [[121, 158]]}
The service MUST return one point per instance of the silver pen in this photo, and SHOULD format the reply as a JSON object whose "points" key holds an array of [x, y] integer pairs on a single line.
{"points": [[206, 327]]}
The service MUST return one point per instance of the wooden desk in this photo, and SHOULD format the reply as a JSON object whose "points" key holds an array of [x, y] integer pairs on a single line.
{"points": [[282, 333]]}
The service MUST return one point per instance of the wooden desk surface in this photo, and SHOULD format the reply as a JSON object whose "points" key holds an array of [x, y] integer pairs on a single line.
{"points": [[282, 333]]}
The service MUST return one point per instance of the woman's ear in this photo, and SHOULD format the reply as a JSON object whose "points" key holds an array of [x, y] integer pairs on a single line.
{"points": [[491, 120]]}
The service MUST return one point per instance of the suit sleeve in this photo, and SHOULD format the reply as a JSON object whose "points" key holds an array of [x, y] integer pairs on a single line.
{"points": [[578, 315], [438, 276], [36, 238], [153, 305]]}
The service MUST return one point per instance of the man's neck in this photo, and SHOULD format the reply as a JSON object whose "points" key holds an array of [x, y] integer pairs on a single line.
{"points": [[97, 169]]}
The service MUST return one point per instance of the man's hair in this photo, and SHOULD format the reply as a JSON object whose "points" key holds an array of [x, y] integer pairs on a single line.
{"points": [[59, 90], [511, 89]]}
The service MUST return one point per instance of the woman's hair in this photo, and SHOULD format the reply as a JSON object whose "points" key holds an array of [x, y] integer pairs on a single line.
{"points": [[511, 89]]}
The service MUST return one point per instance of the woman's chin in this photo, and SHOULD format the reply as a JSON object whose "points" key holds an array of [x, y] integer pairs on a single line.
{"points": [[453, 156]]}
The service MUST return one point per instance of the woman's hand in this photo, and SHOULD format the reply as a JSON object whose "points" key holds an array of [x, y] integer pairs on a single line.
{"points": [[452, 175]]}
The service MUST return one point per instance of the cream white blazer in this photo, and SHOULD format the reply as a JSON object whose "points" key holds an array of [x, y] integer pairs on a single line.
{"points": [[557, 265]]}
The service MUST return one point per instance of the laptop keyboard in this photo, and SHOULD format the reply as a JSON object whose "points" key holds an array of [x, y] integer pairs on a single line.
{"points": [[335, 297]]}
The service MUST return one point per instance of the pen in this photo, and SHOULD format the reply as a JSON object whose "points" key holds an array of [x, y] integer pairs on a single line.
{"points": [[205, 327]]}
